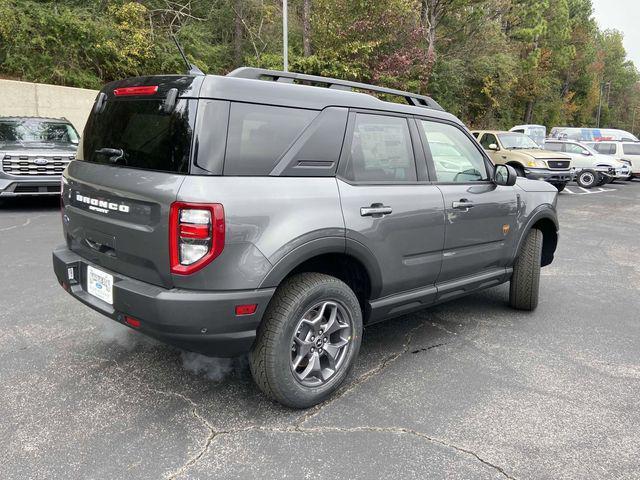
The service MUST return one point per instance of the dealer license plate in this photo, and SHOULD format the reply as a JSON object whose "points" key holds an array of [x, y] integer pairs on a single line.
{"points": [[100, 284]]}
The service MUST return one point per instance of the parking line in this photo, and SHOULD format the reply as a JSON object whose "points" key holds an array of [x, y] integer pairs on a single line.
{"points": [[584, 190], [568, 190]]}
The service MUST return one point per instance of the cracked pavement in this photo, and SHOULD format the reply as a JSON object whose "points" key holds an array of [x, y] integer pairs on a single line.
{"points": [[469, 389]]}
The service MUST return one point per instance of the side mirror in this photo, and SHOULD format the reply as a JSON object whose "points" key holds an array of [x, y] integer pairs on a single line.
{"points": [[493, 147], [586, 153], [505, 175]]}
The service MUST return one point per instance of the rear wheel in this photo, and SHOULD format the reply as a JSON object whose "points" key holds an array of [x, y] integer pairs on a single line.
{"points": [[525, 281], [587, 178], [308, 340]]}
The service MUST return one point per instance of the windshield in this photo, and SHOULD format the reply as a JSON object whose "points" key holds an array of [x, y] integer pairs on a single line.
{"points": [[36, 131], [513, 141]]}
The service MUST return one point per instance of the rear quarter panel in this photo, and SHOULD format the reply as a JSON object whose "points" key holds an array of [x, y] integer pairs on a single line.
{"points": [[266, 219]]}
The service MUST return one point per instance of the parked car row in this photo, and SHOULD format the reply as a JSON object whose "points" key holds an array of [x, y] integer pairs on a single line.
{"points": [[561, 160]]}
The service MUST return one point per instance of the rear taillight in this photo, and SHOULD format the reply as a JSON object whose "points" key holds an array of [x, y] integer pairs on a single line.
{"points": [[196, 235], [142, 90]]}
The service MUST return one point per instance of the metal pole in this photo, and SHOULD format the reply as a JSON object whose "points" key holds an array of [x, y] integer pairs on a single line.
{"points": [[285, 36], [599, 106]]}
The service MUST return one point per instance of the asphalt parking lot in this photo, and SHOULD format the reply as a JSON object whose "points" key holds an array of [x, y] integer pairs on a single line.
{"points": [[469, 389]]}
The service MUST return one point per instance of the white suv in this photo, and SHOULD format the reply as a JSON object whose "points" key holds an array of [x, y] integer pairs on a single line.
{"points": [[591, 168], [627, 152]]}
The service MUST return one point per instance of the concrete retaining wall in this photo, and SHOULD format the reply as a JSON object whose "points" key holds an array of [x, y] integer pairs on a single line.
{"points": [[39, 99]]}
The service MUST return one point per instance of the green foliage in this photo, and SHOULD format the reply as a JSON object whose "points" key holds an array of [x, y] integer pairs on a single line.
{"points": [[497, 62]]}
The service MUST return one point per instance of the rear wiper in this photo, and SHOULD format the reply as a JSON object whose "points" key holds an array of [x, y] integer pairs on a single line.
{"points": [[114, 154]]}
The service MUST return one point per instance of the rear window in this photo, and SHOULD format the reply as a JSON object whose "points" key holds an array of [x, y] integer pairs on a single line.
{"points": [[148, 138], [260, 134], [633, 149]]}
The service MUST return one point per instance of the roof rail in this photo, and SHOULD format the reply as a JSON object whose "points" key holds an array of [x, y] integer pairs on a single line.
{"points": [[291, 77]]}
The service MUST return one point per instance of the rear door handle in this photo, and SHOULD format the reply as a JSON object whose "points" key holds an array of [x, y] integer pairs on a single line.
{"points": [[375, 210], [463, 204]]}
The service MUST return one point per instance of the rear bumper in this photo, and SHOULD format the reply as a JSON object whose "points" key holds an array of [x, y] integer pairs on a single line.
{"points": [[552, 176], [203, 322]]}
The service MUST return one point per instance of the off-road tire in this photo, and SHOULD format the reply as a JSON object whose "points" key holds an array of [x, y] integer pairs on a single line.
{"points": [[519, 170], [588, 178], [270, 356], [525, 281]]}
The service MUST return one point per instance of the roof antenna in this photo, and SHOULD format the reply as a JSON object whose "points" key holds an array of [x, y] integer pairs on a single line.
{"points": [[191, 68]]}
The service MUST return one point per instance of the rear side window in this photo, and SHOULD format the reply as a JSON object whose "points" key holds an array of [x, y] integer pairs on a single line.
{"points": [[381, 150], [553, 146], [260, 134], [147, 137], [631, 149]]}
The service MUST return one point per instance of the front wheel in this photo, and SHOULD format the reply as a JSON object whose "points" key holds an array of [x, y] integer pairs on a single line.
{"points": [[560, 186], [587, 178], [525, 281], [308, 341]]}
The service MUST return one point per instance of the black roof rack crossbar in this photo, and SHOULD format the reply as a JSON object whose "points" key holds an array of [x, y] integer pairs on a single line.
{"points": [[291, 77]]}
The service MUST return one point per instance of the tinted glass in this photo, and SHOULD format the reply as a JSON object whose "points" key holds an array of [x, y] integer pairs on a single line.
{"points": [[148, 138], [605, 148], [211, 134], [488, 139], [553, 146], [36, 131], [259, 135], [381, 150], [631, 149], [455, 157]]}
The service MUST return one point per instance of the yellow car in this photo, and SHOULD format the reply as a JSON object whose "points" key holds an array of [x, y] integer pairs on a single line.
{"points": [[526, 156]]}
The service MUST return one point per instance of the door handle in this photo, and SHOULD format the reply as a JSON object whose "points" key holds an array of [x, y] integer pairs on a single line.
{"points": [[375, 210], [463, 204]]}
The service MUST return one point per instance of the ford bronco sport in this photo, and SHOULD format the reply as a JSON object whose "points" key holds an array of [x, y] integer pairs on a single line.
{"points": [[277, 214], [34, 151]]}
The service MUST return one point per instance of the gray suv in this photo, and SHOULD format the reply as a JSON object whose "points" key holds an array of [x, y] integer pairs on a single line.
{"points": [[34, 151], [277, 214]]}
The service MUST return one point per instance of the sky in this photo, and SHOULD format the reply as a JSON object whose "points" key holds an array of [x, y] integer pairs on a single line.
{"points": [[623, 15]]}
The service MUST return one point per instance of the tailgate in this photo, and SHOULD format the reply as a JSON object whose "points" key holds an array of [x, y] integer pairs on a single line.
{"points": [[118, 218]]}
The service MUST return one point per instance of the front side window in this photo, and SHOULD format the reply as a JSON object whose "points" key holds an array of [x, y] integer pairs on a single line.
{"points": [[455, 157], [381, 150], [573, 148], [605, 148], [487, 140]]}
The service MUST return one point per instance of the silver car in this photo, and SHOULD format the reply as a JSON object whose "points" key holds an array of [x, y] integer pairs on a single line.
{"points": [[34, 152]]}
